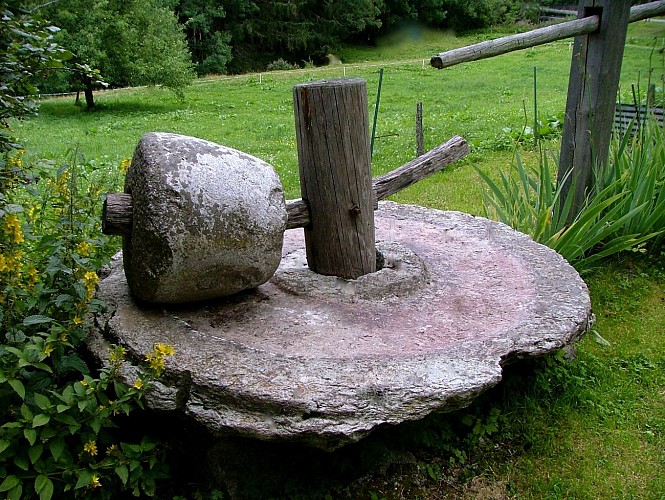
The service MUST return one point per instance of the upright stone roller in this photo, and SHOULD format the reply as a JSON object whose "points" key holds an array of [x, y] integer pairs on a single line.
{"points": [[207, 220]]}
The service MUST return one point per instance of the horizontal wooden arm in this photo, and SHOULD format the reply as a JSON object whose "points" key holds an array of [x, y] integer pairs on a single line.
{"points": [[118, 207]]}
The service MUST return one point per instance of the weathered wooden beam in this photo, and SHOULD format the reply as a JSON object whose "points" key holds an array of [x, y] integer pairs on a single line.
{"points": [[591, 100], [511, 43], [402, 177], [420, 168], [562, 12], [646, 10], [117, 211]]}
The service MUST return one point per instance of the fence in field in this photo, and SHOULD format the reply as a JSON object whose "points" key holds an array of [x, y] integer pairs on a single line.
{"points": [[600, 37]]}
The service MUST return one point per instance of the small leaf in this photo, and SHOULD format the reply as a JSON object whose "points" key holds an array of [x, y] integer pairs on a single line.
{"points": [[35, 452], [62, 299], [42, 401], [18, 387], [15, 493], [84, 479], [9, 483], [30, 435], [4, 444], [41, 419], [57, 446], [66, 419], [36, 319], [43, 487], [25, 412], [21, 462], [123, 473]]}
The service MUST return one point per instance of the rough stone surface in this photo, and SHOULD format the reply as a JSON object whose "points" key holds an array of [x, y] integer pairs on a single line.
{"points": [[208, 220], [328, 361]]}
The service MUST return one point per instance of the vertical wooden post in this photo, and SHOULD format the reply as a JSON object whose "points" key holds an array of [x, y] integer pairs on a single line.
{"points": [[420, 140], [592, 89], [332, 134]]}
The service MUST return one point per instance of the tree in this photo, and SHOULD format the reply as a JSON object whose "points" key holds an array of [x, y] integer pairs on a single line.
{"points": [[209, 42], [26, 48], [297, 30], [130, 42]]}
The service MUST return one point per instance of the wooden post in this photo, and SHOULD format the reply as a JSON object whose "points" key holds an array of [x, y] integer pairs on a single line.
{"points": [[420, 147], [332, 135], [591, 101]]}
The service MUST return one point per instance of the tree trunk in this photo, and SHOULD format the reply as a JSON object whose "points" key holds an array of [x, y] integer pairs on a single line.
{"points": [[89, 98]]}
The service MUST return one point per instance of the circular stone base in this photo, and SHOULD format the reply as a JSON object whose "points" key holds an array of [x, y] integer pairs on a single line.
{"points": [[324, 360]]}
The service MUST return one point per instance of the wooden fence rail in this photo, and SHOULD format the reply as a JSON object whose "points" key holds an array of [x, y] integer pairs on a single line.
{"points": [[511, 43], [600, 37]]}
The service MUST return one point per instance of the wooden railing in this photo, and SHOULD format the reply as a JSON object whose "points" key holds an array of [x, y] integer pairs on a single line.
{"points": [[600, 36]]}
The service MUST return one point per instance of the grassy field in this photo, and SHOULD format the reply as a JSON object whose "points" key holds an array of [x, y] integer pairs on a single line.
{"points": [[254, 113], [593, 427]]}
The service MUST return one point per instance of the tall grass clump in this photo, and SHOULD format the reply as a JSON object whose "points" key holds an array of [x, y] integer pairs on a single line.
{"points": [[625, 209], [59, 418]]}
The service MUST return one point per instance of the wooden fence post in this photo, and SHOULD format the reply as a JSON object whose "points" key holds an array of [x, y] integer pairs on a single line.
{"points": [[591, 101], [420, 139], [332, 134]]}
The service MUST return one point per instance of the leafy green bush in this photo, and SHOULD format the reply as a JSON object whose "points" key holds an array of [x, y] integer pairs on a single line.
{"points": [[26, 47], [58, 419], [625, 209], [280, 65], [550, 128]]}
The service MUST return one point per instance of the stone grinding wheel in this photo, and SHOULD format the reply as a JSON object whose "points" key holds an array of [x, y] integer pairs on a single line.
{"points": [[208, 220]]}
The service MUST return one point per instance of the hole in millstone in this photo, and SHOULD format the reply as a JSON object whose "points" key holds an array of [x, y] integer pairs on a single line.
{"points": [[399, 272], [386, 260], [380, 260]]}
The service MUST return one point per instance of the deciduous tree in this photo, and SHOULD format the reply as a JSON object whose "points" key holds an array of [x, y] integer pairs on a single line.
{"points": [[26, 48], [131, 42]]}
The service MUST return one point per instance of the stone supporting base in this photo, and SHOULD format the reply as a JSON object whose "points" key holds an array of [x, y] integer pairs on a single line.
{"points": [[324, 360]]}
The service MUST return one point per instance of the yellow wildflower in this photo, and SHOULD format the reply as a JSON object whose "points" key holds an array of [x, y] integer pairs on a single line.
{"points": [[3, 263], [83, 248], [14, 229], [33, 276], [164, 349], [84, 383], [156, 363], [61, 185], [32, 212], [124, 165], [112, 450], [48, 350], [63, 337], [77, 321], [90, 448], [94, 481], [90, 280], [138, 385], [155, 359], [118, 355]]}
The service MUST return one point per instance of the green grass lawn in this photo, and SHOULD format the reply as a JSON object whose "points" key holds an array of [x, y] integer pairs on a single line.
{"points": [[593, 427]]}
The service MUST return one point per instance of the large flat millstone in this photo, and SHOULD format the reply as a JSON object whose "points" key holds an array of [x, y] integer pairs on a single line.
{"points": [[325, 360]]}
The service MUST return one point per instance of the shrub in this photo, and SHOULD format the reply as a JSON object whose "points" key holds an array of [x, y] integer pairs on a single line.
{"points": [[626, 208], [280, 65], [58, 419]]}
